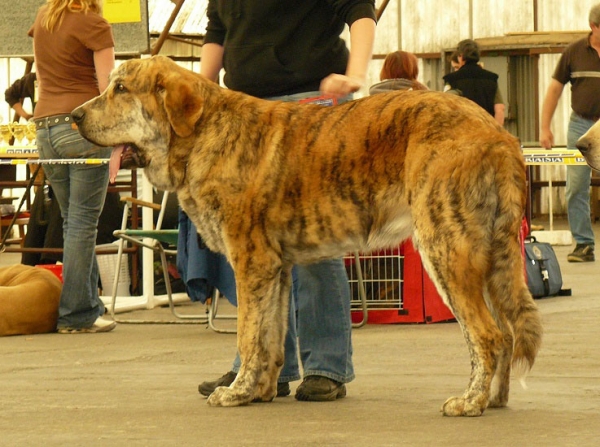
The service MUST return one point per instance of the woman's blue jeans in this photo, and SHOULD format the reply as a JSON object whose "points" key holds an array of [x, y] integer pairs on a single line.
{"points": [[578, 186], [80, 190]]}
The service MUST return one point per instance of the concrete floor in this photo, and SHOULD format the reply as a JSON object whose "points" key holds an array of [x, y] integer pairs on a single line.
{"points": [[137, 386]]}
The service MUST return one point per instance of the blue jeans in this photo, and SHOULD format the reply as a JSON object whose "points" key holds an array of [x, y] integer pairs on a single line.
{"points": [[319, 317], [578, 186], [80, 190], [319, 322]]}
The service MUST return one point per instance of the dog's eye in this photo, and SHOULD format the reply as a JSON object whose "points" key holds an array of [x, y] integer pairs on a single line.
{"points": [[120, 88]]}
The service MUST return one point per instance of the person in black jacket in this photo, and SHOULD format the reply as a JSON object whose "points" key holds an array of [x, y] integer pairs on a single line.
{"points": [[291, 50], [22, 88], [474, 82]]}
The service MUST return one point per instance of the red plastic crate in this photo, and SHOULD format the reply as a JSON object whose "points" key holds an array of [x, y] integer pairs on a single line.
{"points": [[54, 268], [398, 288]]}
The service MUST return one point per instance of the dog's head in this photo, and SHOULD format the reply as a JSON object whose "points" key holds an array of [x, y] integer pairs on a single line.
{"points": [[589, 146], [148, 103]]}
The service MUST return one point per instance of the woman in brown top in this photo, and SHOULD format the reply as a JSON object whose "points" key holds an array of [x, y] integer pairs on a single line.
{"points": [[74, 54]]}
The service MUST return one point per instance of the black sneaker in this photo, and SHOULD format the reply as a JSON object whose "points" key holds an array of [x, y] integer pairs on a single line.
{"points": [[207, 388], [320, 389], [582, 253]]}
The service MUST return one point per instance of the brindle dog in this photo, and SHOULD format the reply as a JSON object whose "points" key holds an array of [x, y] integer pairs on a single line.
{"points": [[589, 146], [273, 184]]}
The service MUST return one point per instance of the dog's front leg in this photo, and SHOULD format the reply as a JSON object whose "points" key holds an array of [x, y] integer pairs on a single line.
{"points": [[263, 300]]}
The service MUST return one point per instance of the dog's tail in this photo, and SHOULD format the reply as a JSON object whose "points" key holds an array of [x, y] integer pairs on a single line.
{"points": [[508, 291]]}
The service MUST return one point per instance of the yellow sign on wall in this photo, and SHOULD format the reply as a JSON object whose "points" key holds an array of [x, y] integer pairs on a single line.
{"points": [[122, 11]]}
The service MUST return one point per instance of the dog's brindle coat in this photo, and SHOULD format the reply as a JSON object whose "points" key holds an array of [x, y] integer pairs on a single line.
{"points": [[273, 184]]}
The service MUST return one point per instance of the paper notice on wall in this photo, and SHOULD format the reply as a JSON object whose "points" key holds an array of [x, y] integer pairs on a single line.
{"points": [[122, 11]]}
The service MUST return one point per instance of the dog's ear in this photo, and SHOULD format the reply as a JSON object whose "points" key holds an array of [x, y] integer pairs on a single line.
{"points": [[181, 101]]}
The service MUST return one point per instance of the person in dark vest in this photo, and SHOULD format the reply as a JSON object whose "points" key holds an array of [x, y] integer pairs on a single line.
{"points": [[474, 82]]}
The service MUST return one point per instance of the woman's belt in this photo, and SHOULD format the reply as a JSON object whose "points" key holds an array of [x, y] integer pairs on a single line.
{"points": [[53, 120]]}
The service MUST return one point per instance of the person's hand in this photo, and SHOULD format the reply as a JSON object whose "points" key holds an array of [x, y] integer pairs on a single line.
{"points": [[338, 85], [546, 139]]}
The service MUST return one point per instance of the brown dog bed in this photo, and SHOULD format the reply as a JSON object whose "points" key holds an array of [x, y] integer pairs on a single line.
{"points": [[29, 298]]}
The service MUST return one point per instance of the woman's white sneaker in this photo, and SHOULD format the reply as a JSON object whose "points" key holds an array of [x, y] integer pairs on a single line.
{"points": [[100, 325]]}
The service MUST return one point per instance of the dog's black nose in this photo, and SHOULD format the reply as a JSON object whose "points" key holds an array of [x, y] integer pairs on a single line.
{"points": [[78, 114], [584, 145]]}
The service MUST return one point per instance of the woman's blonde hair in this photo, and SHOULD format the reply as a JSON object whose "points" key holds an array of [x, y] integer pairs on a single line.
{"points": [[57, 8]]}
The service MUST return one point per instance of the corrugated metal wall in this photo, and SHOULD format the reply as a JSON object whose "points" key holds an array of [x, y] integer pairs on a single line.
{"points": [[521, 99]]}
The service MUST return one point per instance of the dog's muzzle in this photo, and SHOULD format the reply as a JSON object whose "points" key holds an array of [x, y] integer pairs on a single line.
{"points": [[78, 115], [584, 145]]}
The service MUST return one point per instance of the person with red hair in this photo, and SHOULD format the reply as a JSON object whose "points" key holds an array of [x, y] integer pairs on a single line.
{"points": [[399, 72]]}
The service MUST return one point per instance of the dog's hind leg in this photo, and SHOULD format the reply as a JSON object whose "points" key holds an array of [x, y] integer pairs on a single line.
{"points": [[514, 309], [500, 386], [263, 288], [460, 279]]}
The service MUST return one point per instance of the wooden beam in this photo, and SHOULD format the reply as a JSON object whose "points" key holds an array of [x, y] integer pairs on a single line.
{"points": [[164, 35], [529, 40], [381, 9]]}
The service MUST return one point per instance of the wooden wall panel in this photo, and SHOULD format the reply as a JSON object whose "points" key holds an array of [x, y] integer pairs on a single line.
{"points": [[428, 26], [561, 15], [499, 17]]}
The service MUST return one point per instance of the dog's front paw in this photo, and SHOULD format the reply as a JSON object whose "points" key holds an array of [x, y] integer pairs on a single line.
{"points": [[459, 406], [224, 396]]}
